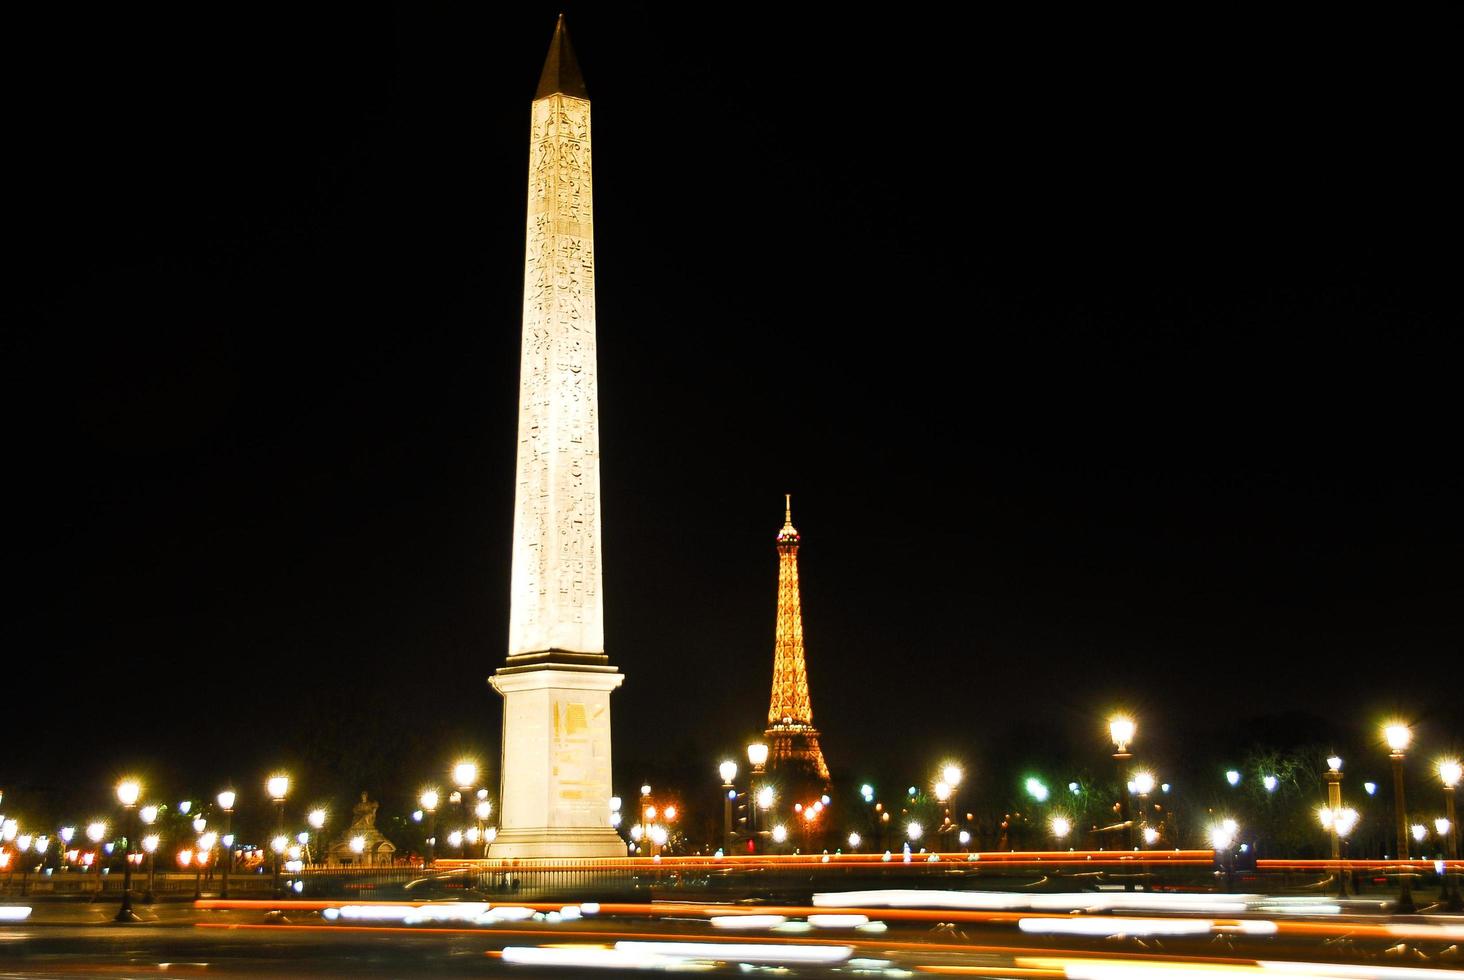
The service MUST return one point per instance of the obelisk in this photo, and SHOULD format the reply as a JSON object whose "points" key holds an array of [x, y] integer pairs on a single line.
{"points": [[556, 684]]}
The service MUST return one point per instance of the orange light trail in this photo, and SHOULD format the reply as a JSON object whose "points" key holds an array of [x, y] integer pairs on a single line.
{"points": [[1365, 930]]}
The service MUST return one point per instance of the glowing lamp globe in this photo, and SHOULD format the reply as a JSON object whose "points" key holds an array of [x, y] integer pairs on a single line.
{"points": [[358, 844], [1222, 836], [226, 799], [854, 841], [728, 771], [1060, 826], [1121, 729], [952, 774], [95, 832], [1150, 836], [150, 843], [913, 830], [1449, 772], [1232, 777], [148, 814], [316, 818], [279, 844], [483, 809], [278, 787], [1334, 763], [1397, 736], [128, 791], [757, 754], [942, 791], [428, 799], [1327, 818], [1144, 783], [1419, 832], [465, 774], [780, 833], [198, 824]]}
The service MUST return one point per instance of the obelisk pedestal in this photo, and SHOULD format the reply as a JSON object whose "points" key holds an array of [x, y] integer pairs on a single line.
{"points": [[556, 741], [556, 686]]}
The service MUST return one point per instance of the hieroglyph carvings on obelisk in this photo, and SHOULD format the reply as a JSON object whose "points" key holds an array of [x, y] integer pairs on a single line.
{"points": [[557, 682]]}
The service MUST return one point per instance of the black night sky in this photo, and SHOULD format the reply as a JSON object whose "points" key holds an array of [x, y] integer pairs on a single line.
{"points": [[1109, 361]]}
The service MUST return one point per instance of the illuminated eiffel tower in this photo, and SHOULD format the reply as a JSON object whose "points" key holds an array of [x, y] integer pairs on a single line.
{"points": [[791, 738]]}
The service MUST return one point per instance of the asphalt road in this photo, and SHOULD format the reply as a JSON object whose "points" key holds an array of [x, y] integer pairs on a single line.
{"points": [[180, 941]]}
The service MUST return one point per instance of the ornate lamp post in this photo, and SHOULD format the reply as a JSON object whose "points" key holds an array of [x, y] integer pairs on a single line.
{"points": [[1330, 817], [316, 818], [1398, 736], [226, 803], [1450, 773], [1121, 729], [202, 855], [1143, 784], [150, 846], [951, 774], [149, 815], [757, 756], [428, 801], [483, 809], [95, 832], [127, 793], [942, 791], [278, 787], [465, 777], [728, 771]]}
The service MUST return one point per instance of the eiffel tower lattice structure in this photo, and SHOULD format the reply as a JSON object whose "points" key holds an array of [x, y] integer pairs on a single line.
{"points": [[791, 738]]}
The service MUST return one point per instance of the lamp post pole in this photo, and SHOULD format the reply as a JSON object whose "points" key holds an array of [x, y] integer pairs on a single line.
{"points": [[728, 771], [278, 787], [127, 793], [757, 755], [1398, 737], [1333, 776], [1122, 728], [465, 776], [226, 803], [147, 898], [1449, 775], [428, 800]]}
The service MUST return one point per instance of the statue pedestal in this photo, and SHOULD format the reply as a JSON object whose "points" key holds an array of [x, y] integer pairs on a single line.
{"points": [[555, 800]]}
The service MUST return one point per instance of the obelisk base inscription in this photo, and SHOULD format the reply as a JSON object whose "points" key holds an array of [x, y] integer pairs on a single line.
{"points": [[555, 797]]}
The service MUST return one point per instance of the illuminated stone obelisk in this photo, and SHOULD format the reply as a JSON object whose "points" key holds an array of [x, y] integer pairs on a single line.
{"points": [[557, 682]]}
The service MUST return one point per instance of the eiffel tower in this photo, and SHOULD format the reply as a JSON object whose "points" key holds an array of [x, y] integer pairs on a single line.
{"points": [[791, 738]]}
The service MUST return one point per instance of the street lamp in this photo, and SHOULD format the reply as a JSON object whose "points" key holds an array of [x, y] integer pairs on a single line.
{"points": [[278, 786], [201, 856], [150, 845], [1060, 827], [1330, 815], [226, 803], [465, 778], [127, 793], [149, 816], [1121, 729], [483, 810], [316, 818], [728, 771], [1450, 773], [757, 757], [428, 801], [1398, 736]]}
